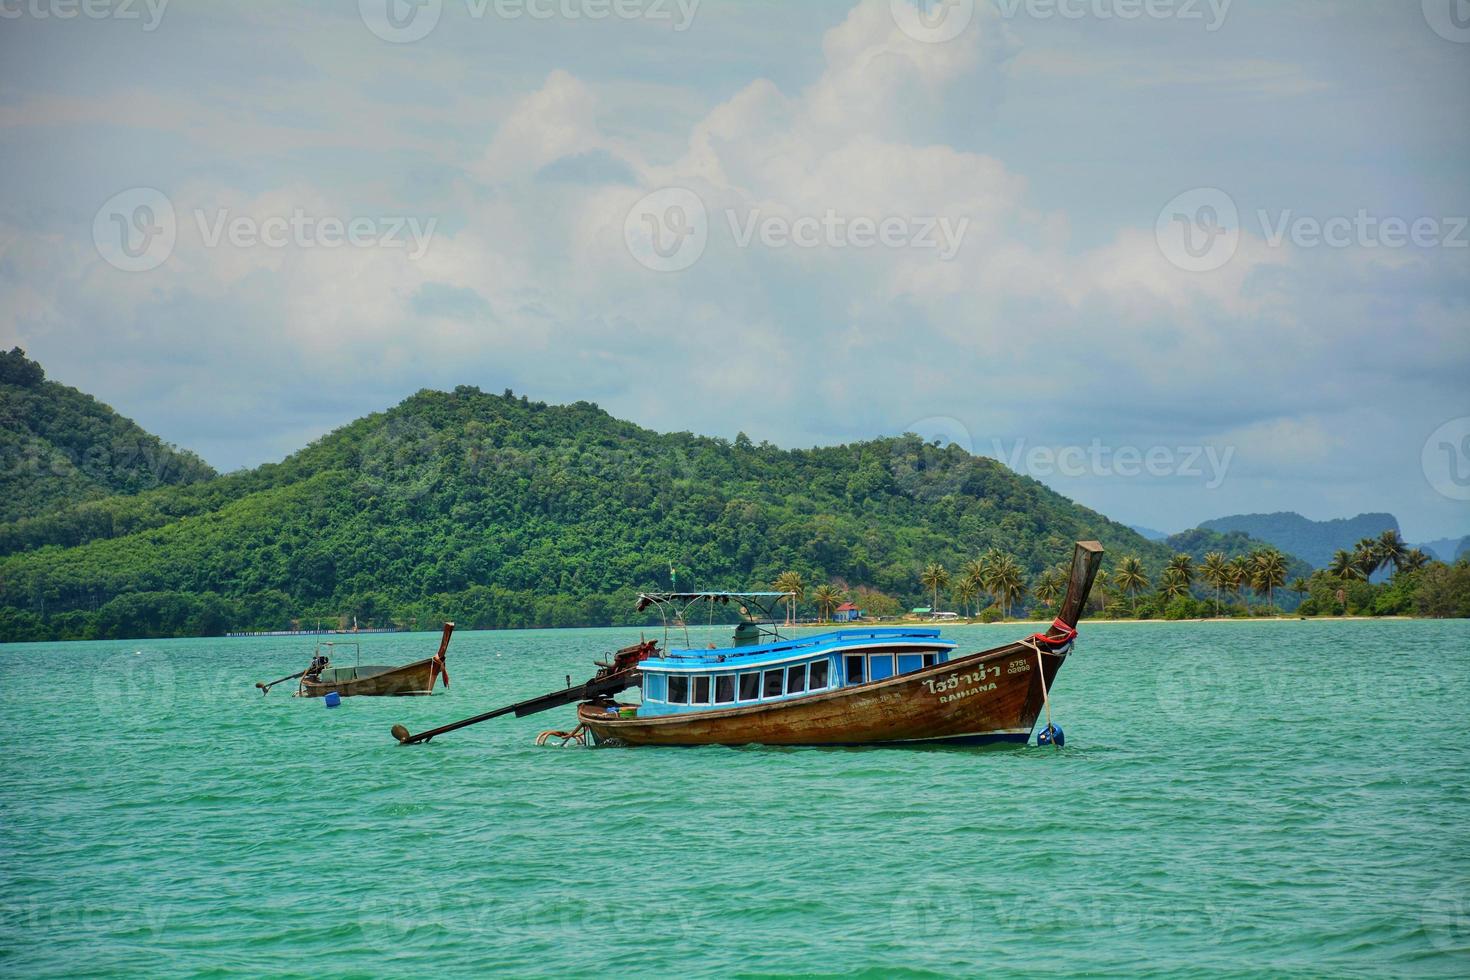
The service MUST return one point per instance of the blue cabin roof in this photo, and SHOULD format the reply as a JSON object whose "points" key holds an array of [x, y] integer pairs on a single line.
{"points": [[780, 651]]}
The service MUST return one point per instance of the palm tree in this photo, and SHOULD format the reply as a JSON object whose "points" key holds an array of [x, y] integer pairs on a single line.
{"points": [[1173, 584], [974, 574], [965, 592], [1216, 571], [1182, 565], [934, 578], [1415, 559], [1240, 577], [1268, 573], [1391, 549], [1344, 565], [1130, 577], [827, 599], [1367, 556], [1300, 586], [791, 585], [1006, 581], [1048, 587]]}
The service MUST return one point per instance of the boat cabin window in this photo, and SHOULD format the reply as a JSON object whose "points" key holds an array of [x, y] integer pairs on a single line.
{"points": [[880, 665], [750, 686], [774, 683], [724, 689], [909, 661], [854, 667], [796, 679], [930, 659], [701, 690], [654, 687], [678, 689], [817, 679]]}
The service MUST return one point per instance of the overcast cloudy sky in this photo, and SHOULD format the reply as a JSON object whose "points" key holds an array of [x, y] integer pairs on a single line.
{"points": [[1224, 241]]}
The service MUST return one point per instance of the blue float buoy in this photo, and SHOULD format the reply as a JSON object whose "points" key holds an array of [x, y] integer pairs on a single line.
{"points": [[333, 699], [1052, 735]]}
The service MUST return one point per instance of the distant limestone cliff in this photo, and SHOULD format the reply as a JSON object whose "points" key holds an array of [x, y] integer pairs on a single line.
{"points": [[1312, 541]]}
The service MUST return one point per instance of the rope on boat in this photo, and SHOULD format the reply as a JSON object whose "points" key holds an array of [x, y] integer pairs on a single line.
{"points": [[1041, 676], [578, 735]]}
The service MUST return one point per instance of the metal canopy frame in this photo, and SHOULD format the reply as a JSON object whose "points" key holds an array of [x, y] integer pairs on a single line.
{"points": [[333, 644], [677, 604]]}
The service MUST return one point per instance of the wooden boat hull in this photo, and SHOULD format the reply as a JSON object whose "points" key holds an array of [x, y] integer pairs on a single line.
{"points": [[410, 679], [985, 698]]}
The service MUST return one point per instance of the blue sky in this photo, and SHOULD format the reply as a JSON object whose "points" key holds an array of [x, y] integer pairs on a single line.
{"points": [[1177, 259]]}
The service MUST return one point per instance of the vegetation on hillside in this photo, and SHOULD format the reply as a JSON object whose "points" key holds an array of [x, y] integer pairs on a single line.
{"points": [[496, 511], [59, 446]]}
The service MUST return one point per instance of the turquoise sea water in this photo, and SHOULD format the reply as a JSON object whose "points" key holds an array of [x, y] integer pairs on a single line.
{"points": [[1252, 798]]}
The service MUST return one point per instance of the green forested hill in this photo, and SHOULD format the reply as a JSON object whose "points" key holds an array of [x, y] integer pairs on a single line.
{"points": [[59, 446], [496, 511]]}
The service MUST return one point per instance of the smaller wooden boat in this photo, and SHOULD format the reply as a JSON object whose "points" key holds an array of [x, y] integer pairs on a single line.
{"points": [[360, 681]]}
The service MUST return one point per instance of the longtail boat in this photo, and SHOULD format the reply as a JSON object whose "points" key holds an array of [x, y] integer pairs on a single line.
{"points": [[371, 681], [878, 686]]}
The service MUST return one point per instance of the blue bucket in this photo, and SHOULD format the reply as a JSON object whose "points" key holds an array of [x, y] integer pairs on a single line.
{"points": [[333, 699]]}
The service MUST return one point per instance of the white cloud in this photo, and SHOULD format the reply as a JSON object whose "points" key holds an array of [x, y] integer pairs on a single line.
{"points": [[1047, 320]]}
